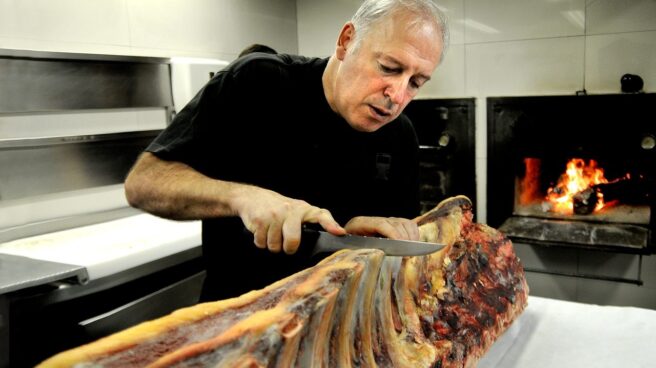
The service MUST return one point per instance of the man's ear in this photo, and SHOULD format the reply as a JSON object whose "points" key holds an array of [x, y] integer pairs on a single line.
{"points": [[345, 40]]}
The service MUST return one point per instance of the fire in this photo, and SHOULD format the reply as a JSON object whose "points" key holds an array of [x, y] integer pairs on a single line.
{"points": [[578, 177]]}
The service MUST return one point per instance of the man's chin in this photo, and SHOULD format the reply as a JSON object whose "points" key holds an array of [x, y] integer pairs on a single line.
{"points": [[367, 125]]}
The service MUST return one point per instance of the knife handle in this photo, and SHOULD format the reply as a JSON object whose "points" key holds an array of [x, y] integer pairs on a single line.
{"points": [[309, 236]]}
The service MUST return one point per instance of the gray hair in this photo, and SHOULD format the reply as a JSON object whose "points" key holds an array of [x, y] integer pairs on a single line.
{"points": [[373, 11]]}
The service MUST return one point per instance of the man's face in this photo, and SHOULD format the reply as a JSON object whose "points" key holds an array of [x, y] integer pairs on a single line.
{"points": [[376, 81]]}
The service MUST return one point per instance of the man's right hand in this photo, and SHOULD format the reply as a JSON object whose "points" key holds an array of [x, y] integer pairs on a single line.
{"points": [[174, 190], [276, 220]]}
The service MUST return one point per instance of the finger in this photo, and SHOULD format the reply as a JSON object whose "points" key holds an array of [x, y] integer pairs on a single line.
{"points": [[291, 233], [324, 218], [388, 229], [362, 225], [411, 229], [407, 229], [260, 236], [400, 229], [274, 237]]}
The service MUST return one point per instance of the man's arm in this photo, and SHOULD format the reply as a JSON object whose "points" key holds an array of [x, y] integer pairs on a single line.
{"points": [[175, 190]]}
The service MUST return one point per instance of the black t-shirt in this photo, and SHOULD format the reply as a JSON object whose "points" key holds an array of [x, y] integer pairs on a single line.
{"points": [[264, 120]]}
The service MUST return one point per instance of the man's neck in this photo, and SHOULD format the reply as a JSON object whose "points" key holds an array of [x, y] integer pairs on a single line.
{"points": [[328, 81]]}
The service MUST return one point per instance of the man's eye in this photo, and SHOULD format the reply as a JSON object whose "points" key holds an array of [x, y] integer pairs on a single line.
{"points": [[387, 69]]}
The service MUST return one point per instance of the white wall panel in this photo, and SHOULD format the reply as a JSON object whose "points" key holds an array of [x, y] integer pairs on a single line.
{"points": [[481, 189], [503, 20], [319, 23], [535, 67], [613, 16], [448, 80], [74, 22], [196, 28], [455, 14], [212, 28], [608, 57]]}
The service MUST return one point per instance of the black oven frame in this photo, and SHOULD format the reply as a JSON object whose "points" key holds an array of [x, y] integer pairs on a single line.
{"points": [[596, 126], [445, 131]]}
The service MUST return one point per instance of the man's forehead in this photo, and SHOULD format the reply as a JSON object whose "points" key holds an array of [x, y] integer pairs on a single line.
{"points": [[407, 30], [404, 20]]}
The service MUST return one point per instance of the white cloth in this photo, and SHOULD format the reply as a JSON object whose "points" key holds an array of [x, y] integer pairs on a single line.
{"points": [[559, 334]]}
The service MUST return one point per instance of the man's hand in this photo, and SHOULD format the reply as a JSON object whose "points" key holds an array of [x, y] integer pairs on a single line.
{"points": [[389, 227], [276, 220]]}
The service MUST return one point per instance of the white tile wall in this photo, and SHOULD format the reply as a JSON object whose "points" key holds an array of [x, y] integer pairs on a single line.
{"points": [[212, 28], [528, 67], [198, 28], [503, 20], [616, 16], [609, 56], [319, 23], [649, 272], [550, 286], [448, 80], [613, 293], [66, 21], [455, 14]]}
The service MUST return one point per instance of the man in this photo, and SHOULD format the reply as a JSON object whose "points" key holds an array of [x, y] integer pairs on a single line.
{"points": [[256, 47], [276, 141]]}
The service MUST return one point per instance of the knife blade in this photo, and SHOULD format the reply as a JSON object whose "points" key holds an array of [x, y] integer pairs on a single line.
{"points": [[322, 242]]}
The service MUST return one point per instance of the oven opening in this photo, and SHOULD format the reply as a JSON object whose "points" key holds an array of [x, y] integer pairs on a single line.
{"points": [[573, 171], [580, 201]]}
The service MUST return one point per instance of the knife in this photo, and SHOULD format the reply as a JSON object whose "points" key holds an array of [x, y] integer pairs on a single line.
{"points": [[317, 241]]}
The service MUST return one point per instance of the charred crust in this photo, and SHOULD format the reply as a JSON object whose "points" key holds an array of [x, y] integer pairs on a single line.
{"points": [[446, 207]]}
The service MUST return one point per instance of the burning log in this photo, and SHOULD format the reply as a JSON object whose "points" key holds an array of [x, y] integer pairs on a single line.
{"points": [[353, 309], [585, 201], [626, 190]]}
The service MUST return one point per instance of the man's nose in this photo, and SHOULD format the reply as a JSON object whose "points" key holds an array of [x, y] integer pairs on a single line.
{"points": [[396, 91]]}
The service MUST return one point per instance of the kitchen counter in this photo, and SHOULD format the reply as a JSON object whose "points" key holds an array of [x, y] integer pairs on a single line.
{"points": [[93, 252], [66, 288], [18, 272]]}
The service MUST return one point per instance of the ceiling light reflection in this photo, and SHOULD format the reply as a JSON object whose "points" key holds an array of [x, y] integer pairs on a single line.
{"points": [[576, 17], [478, 26]]}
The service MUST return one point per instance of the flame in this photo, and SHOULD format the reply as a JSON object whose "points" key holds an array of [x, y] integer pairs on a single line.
{"points": [[578, 177]]}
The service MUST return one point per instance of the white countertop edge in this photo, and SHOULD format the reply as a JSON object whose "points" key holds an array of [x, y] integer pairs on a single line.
{"points": [[111, 246]]}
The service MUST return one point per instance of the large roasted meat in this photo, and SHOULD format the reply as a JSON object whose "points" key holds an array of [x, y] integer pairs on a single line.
{"points": [[353, 309]]}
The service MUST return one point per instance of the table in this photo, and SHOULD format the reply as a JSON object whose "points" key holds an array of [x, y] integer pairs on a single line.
{"points": [[555, 333]]}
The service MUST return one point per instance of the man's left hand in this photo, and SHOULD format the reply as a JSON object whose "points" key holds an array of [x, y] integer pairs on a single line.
{"points": [[388, 227]]}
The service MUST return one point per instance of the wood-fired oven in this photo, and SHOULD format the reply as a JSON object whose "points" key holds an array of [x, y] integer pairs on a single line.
{"points": [[574, 173]]}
